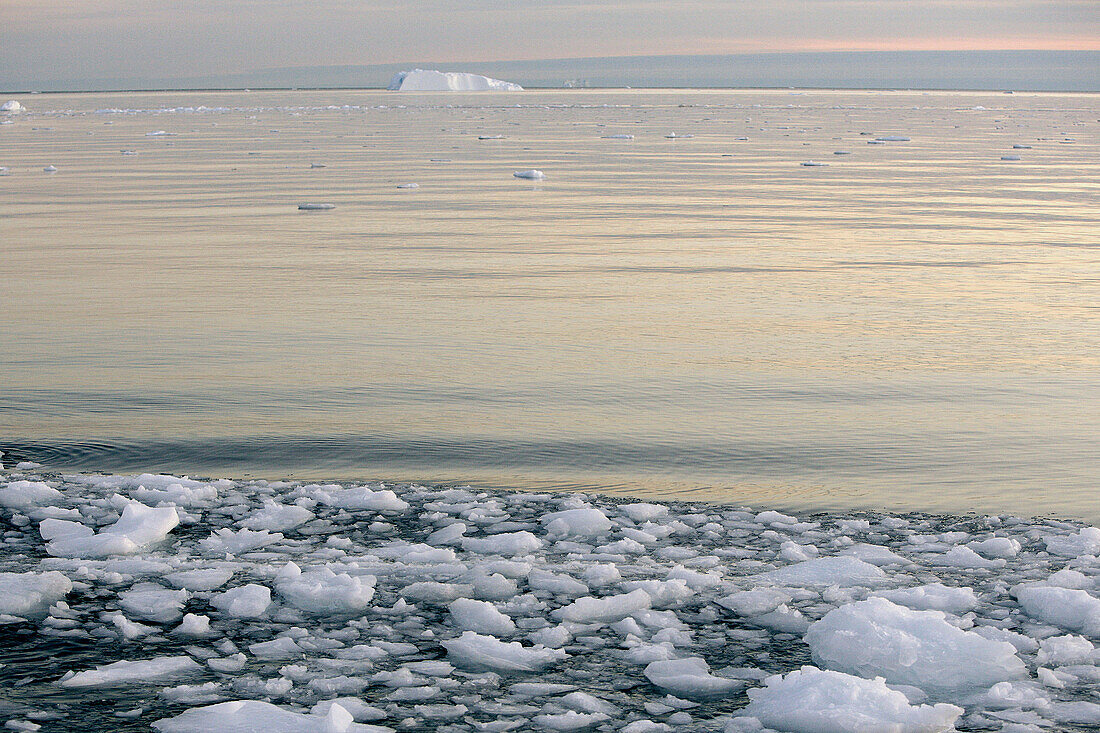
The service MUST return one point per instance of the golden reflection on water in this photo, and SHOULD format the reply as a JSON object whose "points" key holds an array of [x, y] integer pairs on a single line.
{"points": [[916, 325]]}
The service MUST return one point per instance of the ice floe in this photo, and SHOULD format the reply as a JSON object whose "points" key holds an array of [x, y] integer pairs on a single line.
{"points": [[304, 606], [533, 175], [316, 207]]}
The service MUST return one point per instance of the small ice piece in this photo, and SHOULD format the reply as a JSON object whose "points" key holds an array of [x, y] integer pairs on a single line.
{"points": [[28, 494], [317, 165], [505, 543], [674, 136], [277, 517], [194, 625], [1085, 542], [589, 610], [755, 602], [935, 597], [159, 133], [408, 185], [1017, 146], [813, 164], [31, 594], [480, 616], [475, 651], [581, 522], [225, 541], [202, 579], [361, 498], [280, 648], [643, 512], [824, 571], [994, 547], [878, 638], [245, 601], [144, 672], [153, 602], [254, 716], [431, 80], [316, 207], [569, 720], [322, 592], [1068, 608], [50, 169], [1057, 651], [690, 678], [137, 528], [810, 700], [1010, 157], [530, 175], [892, 139], [13, 106], [842, 152]]}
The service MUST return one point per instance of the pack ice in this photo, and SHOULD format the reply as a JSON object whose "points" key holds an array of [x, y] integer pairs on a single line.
{"points": [[197, 605]]}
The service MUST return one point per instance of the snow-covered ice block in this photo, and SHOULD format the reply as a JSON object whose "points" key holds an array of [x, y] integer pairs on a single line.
{"points": [[690, 678], [480, 616], [27, 494], [245, 601], [810, 700], [842, 571], [13, 106], [1068, 608], [604, 610], [430, 80], [254, 716], [143, 672], [878, 638], [321, 591], [480, 652], [137, 528], [31, 594]]}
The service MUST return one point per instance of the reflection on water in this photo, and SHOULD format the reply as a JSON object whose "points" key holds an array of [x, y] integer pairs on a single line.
{"points": [[913, 326]]}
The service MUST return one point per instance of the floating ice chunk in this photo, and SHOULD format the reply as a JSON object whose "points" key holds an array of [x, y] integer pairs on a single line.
{"points": [[50, 169], [582, 522], [643, 512], [480, 616], [320, 591], [936, 597], [408, 185], [994, 547], [754, 602], [813, 164], [254, 716], [811, 700], [281, 648], [619, 136], [362, 498], [13, 106], [569, 720], [842, 571], [138, 527], [153, 602], [200, 580], [674, 136], [604, 610], [876, 637], [1069, 608], [159, 133], [1010, 157], [1063, 650], [277, 517], [690, 678], [531, 175], [479, 652], [194, 624], [227, 542], [875, 555], [507, 543], [892, 139], [144, 672], [31, 594], [316, 207], [842, 152], [430, 80], [27, 494], [245, 601], [558, 584], [1085, 542], [435, 593]]}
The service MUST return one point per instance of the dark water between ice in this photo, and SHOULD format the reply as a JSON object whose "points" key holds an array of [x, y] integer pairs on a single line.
{"points": [[915, 326]]}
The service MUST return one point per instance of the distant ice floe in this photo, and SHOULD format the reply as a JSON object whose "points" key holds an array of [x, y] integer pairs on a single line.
{"points": [[619, 136], [892, 139], [430, 80], [12, 106], [316, 207], [295, 606], [813, 164], [408, 185], [50, 169], [531, 175]]}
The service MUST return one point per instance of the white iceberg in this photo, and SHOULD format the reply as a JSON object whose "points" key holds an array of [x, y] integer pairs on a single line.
{"points": [[139, 527], [12, 106], [430, 80]]}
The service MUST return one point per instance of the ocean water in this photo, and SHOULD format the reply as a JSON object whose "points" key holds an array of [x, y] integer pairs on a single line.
{"points": [[915, 326]]}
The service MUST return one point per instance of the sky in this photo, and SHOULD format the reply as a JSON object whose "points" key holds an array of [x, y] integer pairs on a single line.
{"points": [[46, 40]]}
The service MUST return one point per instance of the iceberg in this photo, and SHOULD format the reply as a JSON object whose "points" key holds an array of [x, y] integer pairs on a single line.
{"points": [[430, 80], [12, 105]]}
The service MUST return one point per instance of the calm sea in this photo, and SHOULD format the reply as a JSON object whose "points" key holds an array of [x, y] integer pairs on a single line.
{"points": [[915, 325]]}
